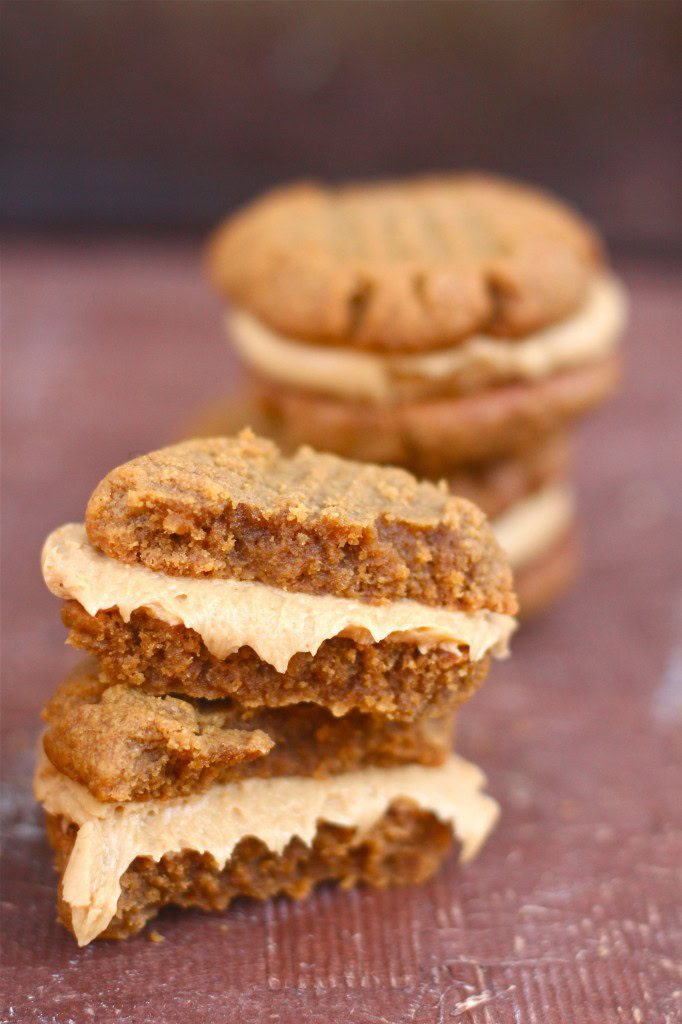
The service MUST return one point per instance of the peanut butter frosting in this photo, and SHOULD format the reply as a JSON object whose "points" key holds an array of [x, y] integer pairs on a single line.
{"points": [[229, 614], [111, 836], [530, 527], [590, 334]]}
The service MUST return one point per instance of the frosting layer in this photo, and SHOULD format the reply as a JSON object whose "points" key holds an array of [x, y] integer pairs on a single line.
{"points": [[530, 527], [276, 624], [481, 361], [110, 836]]}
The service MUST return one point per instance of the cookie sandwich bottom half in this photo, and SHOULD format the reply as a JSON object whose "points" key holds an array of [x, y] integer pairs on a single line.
{"points": [[119, 863]]}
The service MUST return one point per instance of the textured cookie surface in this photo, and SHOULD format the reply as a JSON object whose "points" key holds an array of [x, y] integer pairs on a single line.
{"points": [[406, 846], [400, 266], [123, 743], [237, 508], [493, 485], [392, 678]]}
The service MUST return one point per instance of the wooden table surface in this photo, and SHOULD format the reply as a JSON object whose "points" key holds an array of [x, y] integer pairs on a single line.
{"points": [[573, 911]]}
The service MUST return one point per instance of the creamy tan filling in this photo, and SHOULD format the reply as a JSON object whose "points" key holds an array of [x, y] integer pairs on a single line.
{"points": [[588, 335], [276, 624], [111, 836], [530, 527]]}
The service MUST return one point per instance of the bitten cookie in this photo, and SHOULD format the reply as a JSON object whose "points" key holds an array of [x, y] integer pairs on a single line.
{"points": [[221, 568], [119, 863]]}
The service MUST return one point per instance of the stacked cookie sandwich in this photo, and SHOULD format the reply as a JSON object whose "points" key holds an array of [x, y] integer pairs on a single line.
{"points": [[456, 326], [277, 648]]}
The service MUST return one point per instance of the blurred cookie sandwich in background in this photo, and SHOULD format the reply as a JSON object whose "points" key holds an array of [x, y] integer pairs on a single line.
{"points": [[450, 325]]}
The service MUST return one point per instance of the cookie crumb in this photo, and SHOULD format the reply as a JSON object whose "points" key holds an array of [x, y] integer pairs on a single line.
{"points": [[156, 937]]}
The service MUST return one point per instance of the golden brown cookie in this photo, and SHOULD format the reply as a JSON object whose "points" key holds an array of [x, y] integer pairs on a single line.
{"points": [[127, 745], [405, 266], [123, 743], [236, 508]]}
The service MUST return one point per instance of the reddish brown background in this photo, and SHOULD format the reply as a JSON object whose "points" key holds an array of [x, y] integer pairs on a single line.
{"points": [[127, 122], [572, 913]]}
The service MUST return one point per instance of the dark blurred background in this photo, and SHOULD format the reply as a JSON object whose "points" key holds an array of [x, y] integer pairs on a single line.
{"points": [[167, 114]]}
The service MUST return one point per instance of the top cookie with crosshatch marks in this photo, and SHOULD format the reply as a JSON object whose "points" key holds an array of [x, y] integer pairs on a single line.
{"points": [[236, 508], [405, 266]]}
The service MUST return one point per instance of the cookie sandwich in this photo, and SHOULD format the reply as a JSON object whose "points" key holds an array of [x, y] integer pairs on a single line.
{"points": [[449, 325], [277, 649]]}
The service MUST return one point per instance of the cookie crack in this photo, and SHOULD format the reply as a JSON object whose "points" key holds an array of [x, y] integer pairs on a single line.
{"points": [[419, 290], [358, 305], [497, 299]]}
